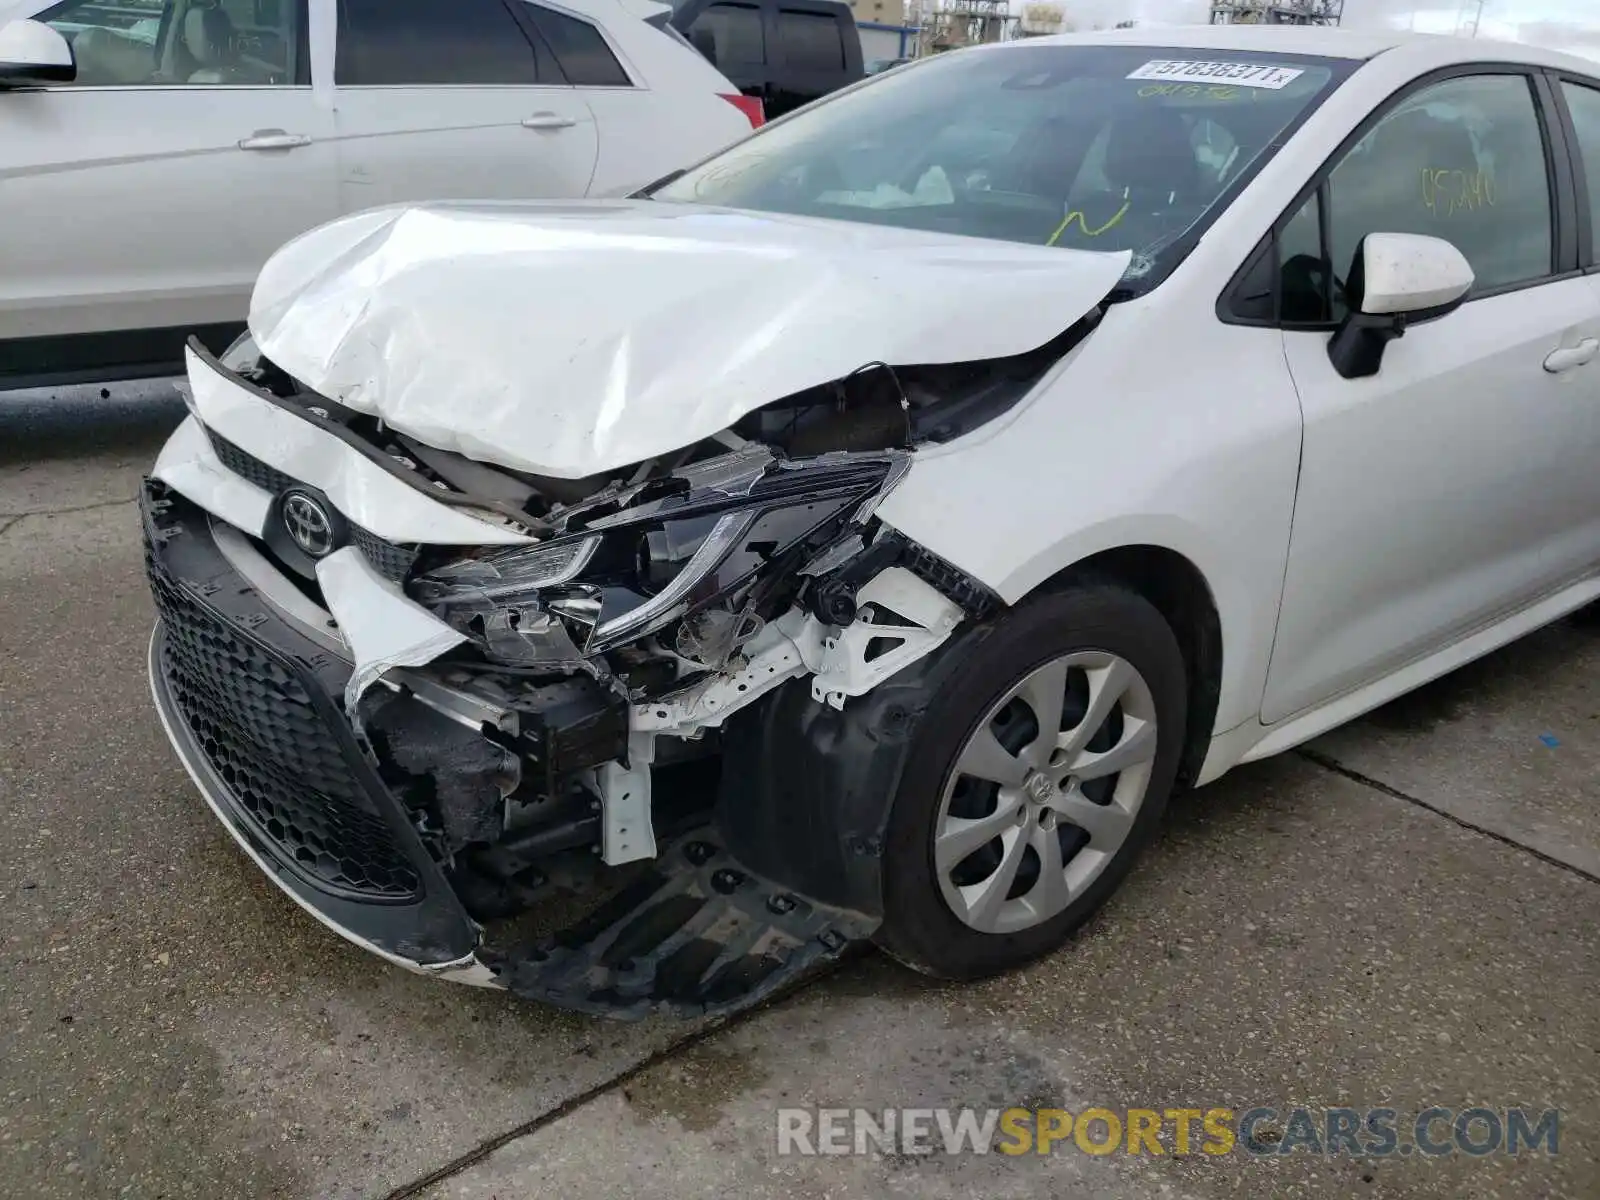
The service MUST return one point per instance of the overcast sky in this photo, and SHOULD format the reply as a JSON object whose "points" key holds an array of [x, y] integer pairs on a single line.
{"points": [[1571, 24]]}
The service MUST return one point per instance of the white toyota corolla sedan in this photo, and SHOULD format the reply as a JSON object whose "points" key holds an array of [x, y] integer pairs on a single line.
{"points": [[863, 534]]}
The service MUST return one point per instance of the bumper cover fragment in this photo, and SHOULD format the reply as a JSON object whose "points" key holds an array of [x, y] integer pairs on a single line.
{"points": [[249, 704]]}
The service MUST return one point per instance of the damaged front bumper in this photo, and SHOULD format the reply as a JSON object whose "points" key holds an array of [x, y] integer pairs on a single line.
{"points": [[252, 705], [412, 740]]}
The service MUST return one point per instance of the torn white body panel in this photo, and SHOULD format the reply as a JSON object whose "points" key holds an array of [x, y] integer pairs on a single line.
{"points": [[359, 488], [189, 465], [379, 627], [569, 340], [382, 628]]}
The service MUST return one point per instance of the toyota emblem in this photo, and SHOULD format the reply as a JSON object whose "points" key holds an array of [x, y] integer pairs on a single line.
{"points": [[308, 523]]}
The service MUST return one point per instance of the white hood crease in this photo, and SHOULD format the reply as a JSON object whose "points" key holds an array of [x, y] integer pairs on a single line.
{"points": [[573, 339]]}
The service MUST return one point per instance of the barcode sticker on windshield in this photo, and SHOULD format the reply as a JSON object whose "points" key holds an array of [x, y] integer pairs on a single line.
{"points": [[1240, 74]]}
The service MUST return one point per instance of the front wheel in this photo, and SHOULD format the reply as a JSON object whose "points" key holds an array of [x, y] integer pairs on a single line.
{"points": [[1036, 777]]}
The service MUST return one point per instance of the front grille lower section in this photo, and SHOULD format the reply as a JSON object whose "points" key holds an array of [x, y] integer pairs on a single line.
{"points": [[389, 559], [264, 736]]}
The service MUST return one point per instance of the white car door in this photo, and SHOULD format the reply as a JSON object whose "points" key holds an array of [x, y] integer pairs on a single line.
{"points": [[1456, 484], [139, 203], [454, 99]]}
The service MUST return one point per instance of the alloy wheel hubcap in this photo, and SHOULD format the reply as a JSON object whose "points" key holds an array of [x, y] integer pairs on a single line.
{"points": [[1045, 791]]}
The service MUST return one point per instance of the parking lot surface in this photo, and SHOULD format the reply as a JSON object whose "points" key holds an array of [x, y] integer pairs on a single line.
{"points": [[1406, 914]]}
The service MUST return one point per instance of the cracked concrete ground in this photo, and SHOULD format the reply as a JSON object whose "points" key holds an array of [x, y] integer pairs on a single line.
{"points": [[1408, 913]]}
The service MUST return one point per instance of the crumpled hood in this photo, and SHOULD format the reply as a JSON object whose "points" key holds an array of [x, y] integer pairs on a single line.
{"points": [[572, 339]]}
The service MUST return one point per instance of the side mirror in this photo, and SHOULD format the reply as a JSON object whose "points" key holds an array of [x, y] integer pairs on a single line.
{"points": [[1397, 280], [33, 54], [701, 39]]}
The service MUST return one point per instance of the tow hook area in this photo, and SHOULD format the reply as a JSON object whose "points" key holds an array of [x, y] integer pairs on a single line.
{"points": [[698, 935]]}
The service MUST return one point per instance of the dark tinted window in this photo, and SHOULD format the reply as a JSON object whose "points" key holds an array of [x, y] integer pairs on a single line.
{"points": [[585, 58], [1303, 277], [1585, 105], [389, 42], [1462, 160], [810, 41], [735, 32]]}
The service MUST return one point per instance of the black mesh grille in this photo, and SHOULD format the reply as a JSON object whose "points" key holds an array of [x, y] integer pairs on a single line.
{"points": [[256, 724], [247, 466], [386, 557]]}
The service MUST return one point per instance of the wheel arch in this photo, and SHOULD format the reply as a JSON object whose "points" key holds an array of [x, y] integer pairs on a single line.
{"points": [[1181, 593]]}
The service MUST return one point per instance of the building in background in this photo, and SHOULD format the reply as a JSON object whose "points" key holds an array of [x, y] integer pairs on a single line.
{"points": [[949, 24], [878, 12], [888, 32], [1041, 20], [1276, 12]]}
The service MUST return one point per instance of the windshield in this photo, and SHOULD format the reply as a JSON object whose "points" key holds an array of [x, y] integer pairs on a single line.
{"points": [[1092, 147]]}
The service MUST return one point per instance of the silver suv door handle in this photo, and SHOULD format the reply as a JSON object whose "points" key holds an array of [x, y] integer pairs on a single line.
{"points": [[1569, 358], [274, 139], [548, 120]]}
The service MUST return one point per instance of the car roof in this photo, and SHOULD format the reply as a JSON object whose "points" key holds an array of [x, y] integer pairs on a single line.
{"points": [[1329, 43]]}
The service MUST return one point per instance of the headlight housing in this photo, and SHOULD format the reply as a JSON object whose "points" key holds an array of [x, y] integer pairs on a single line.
{"points": [[630, 574], [517, 572]]}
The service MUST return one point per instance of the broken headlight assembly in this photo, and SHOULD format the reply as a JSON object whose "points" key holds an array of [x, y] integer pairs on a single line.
{"points": [[632, 573]]}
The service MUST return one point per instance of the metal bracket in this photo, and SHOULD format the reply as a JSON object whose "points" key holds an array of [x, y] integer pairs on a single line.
{"points": [[627, 830], [866, 653], [787, 647]]}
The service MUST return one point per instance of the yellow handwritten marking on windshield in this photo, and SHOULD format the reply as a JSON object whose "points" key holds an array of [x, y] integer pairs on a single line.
{"points": [[1196, 91], [1076, 215], [1446, 192]]}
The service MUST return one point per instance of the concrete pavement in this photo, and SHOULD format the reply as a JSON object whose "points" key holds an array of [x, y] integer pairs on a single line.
{"points": [[1408, 916]]}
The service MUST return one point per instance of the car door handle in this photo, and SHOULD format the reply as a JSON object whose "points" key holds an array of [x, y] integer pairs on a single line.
{"points": [[548, 120], [1569, 358], [274, 139]]}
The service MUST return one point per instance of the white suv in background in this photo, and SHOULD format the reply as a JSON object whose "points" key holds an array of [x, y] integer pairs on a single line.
{"points": [[139, 201]]}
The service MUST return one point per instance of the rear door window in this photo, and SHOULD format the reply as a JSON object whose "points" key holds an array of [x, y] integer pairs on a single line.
{"points": [[581, 50], [811, 41], [391, 43], [736, 33], [1584, 104]]}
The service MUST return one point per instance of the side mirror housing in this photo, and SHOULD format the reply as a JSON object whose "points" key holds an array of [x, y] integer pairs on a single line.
{"points": [[1397, 280], [32, 55]]}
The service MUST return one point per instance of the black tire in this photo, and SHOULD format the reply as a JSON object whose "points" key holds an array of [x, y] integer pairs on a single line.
{"points": [[919, 929]]}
